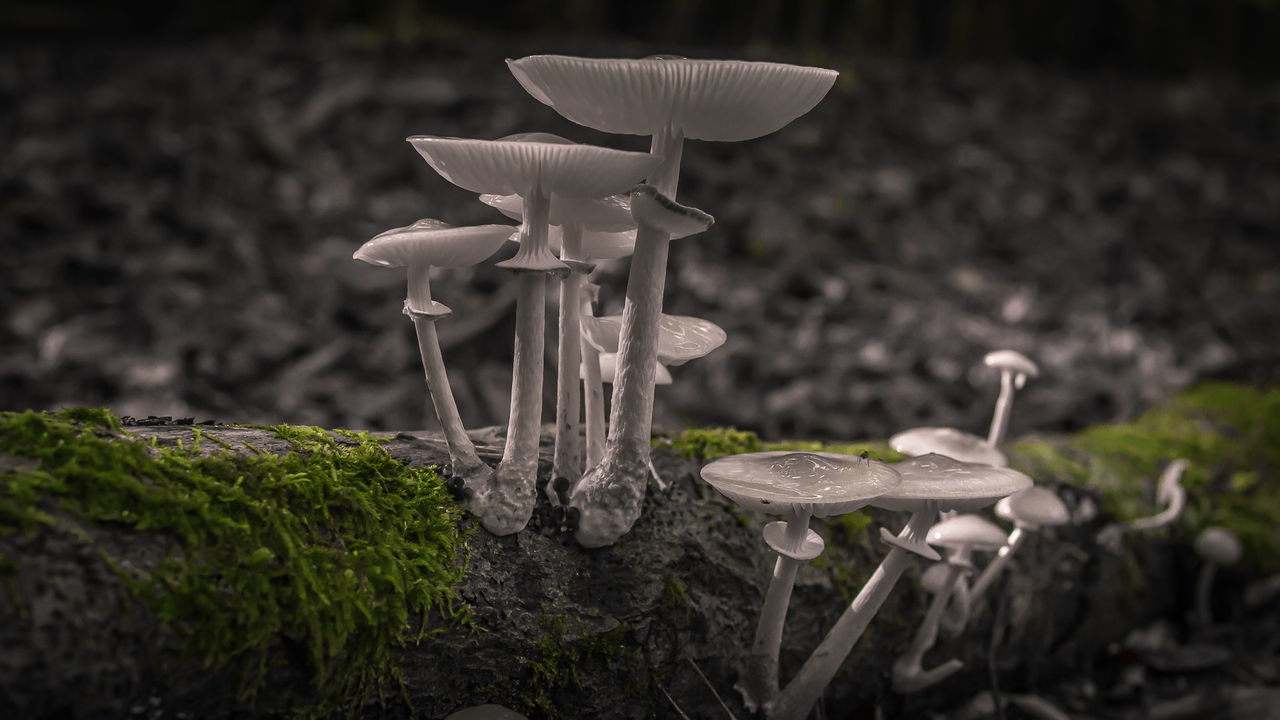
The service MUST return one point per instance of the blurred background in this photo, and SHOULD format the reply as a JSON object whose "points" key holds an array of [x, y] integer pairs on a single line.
{"points": [[1095, 184]]}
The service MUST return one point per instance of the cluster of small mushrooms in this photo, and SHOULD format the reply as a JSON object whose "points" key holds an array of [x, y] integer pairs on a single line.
{"points": [[579, 205]]}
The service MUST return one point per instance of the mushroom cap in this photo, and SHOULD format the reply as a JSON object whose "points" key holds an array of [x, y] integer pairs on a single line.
{"points": [[705, 99], [650, 207], [609, 370], [1218, 545], [435, 243], [1034, 507], [934, 577], [486, 712], [775, 536], [607, 214], [680, 338], [777, 481], [967, 531], [951, 442], [953, 484], [1011, 360], [511, 167]]}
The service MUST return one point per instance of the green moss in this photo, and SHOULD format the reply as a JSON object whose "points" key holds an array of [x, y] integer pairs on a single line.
{"points": [[673, 592], [330, 547], [1231, 436], [711, 443], [563, 660]]}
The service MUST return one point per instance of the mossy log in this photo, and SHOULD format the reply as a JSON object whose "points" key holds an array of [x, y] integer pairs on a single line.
{"points": [[178, 607]]}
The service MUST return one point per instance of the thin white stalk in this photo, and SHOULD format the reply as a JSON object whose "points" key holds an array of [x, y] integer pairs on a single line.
{"points": [[567, 457], [462, 452], [759, 684], [611, 494], [799, 695], [997, 564], [1004, 406], [593, 400], [908, 673], [511, 502]]}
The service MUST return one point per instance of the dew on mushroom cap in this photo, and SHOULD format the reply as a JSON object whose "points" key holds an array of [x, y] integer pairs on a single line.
{"points": [[772, 481], [952, 484]]}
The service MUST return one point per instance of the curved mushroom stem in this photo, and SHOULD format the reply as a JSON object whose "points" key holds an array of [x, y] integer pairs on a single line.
{"points": [[1004, 406], [610, 495], [509, 503], [908, 673], [799, 695], [567, 457], [994, 568], [956, 616], [1169, 490], [759, 684], [462, 452], [1204, 586]]}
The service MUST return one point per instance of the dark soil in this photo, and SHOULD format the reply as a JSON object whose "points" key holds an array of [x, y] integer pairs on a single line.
{"points": [[179, 223]]}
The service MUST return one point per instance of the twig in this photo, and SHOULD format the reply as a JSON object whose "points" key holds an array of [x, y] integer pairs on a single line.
{"points": [[711, 688], [673, 702]]}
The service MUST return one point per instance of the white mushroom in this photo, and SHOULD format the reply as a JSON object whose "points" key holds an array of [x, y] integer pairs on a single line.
{"points": [[418, 247], [534, 169], [1014, 369], [797, 485], [669, 99]]}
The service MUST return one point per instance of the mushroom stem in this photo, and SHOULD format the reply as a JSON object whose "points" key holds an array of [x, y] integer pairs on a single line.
{"points": [[610, 495], [510, 503], [759, 684], [908, 673], [593, 400], [798, 697], [993, 568], [462, 452], [567, 457], [1204, 584], [1004, 406]]}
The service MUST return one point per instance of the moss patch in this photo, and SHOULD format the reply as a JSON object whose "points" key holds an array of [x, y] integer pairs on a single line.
{"points": [[563, 660], [711, 443], [329, 547], [1230, 434]]}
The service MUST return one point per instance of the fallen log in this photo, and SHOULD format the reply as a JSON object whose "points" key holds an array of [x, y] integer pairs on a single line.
{"points": [[215, 571]]}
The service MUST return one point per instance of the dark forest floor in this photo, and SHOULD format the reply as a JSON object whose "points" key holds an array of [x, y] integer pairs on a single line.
{"points": [[178, 223]]}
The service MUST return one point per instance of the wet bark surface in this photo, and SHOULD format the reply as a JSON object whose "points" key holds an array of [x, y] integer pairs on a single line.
{"points": [[678, 595]]}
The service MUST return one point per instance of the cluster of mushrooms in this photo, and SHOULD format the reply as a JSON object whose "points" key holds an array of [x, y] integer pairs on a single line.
{"points": [[579, 205], [950, 475]]}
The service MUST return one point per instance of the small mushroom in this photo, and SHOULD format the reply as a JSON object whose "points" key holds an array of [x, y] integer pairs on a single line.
{"points": [[953, 443], [1218, 547], [1169, 492], [418, 247], [1014, 369], [960, 535], [797, 485], [535, 169], [1029, 511], [929, 483], [680, 338], [669, 99]]}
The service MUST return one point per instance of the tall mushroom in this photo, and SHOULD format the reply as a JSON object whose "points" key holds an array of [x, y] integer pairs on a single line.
{"points": [[535, 170], [670, 99], [796, 485], [1014, 369], [960, 535], [580, 229], [418, 247], [929, 483]]}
